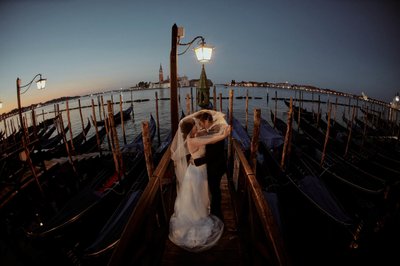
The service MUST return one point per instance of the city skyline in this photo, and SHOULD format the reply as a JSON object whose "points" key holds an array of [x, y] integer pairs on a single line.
{"points": [[89, 46]]}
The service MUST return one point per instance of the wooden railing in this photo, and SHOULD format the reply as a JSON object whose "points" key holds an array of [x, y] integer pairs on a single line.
{"points": [[144, 237], [147, 228], [256, 223]]}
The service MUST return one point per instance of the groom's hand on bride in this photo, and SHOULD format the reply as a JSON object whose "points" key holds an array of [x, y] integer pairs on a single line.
{"points": [[227, 131], [201, 133], [214, 129]]}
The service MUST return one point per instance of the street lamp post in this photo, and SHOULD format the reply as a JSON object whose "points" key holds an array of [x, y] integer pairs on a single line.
{"points": [[174, 80], [41, 83], [203, 54]]}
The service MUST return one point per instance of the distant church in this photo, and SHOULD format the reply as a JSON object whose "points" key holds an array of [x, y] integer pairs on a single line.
{"points": [[182, 81], [160, 75]]}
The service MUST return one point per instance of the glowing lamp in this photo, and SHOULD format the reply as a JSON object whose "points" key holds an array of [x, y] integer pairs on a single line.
{"points": [[203, 52], [41, 83]]}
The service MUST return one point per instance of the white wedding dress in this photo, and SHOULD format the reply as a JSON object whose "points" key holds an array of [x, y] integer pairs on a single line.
{"points": [[192, 227]]}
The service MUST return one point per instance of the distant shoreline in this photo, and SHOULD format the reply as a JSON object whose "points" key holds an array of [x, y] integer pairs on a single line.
{"points": [[255, 85]]}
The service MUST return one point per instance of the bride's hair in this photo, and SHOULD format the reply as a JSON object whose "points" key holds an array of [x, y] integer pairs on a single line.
{"points": [[186, 127], [205, 116]]}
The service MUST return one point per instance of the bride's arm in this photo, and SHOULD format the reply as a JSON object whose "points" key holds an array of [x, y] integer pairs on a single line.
{"points": [[198, 141]]}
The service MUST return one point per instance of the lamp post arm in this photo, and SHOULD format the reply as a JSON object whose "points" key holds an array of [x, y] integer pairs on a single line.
{"points": [[37, 75], [29, 84], [190, 43]]}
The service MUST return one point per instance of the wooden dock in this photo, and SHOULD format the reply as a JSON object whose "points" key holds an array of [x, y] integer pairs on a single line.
{"points": [[228, 251], [252, 239]]}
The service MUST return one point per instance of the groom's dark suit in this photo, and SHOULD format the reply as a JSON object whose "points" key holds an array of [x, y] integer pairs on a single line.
{"points": [[216, 167]]}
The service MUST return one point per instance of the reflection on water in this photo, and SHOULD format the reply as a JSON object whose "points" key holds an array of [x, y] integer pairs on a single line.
{"points": [[262, 98]]}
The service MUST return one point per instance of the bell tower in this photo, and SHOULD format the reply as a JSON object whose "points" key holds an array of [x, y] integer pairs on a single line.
{"points": [[160, 75]]}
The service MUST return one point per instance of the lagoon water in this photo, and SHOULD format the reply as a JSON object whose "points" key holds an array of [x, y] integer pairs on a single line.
{"points": [[261, 97]]}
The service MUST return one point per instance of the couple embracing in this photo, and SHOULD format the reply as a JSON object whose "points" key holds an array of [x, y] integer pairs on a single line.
{"points": [[198, 155]]}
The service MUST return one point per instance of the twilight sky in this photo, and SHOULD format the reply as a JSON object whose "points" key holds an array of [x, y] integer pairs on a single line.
{"points": [[84, 46]]}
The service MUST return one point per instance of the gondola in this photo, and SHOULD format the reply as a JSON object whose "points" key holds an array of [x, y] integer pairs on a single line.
{"points": [[364, 160], [97, 199], [240, 134], [101, 247], [300, 175], [302, 206], [12, 177], [99, 250], [137, 143], [310, 116], [117, 117], [304, 180], [337, 166], [60, 150], [362, 194], [383, 127], [90, 144], [53, 141], [46, 135], [46, 123], [386, 149]]}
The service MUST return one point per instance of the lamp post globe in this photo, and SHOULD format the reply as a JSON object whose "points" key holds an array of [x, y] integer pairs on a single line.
{"points": [[41, 83], [203, 52]]}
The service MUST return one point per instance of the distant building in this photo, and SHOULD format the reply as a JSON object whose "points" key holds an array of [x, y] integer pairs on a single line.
{"points": [[163, 84], [160, 75]]}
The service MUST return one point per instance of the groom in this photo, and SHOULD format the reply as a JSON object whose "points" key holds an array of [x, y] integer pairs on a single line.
{"points": [[216, 163]]}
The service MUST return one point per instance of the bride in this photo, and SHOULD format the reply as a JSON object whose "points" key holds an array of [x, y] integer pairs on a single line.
{"points": [[192, 227]]}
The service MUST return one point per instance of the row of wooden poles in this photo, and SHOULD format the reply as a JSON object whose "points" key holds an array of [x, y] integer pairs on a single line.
{"points": [[9, 126], [188, 111], [290, 118], [111, 133], [353, 114], [392, 114], [109, 125], [113, 139]]}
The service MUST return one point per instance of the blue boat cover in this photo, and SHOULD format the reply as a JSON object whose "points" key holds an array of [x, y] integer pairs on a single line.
{"points": [[270, 136], [272, 199], [317, 192]]}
